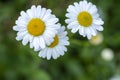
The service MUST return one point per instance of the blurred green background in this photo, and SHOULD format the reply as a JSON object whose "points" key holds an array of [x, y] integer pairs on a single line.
{"points": [[83, 60]]}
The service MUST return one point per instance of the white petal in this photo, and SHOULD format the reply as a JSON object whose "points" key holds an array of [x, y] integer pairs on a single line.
{"points": [[36, 43], [21, 23], [93, 31], [20, 35], [88, 33], [53, 20], [81, 30], [47, 15], [75, 29], [93, 9], [71, 9], [99, 28], [95, 16], [43, 11], [42, 42], [33, 9], [54, 54], [25, 40], [57, 50], [24, 16], [89, 36], [49, 54], [69, 21], [48, 39], [61, 50], [84, 4], [77, 7], [30, 13], [72, 24], [31, 44], [70, 15], [38, 10], [64, 42], [88, 6], [19, 28], [64, 48], [43, 53], [98, 21], [30, 37]]}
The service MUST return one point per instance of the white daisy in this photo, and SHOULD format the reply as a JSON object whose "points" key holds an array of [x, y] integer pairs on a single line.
{"points": [[107, 54], [96, 40], [57, 47], [37, 26], [83, 17]]}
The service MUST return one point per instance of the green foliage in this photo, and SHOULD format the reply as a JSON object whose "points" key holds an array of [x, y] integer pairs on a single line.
{"points": [[82, 61]]}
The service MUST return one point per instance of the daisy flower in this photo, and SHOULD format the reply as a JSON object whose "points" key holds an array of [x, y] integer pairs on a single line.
{"points": [[96, 40], [57, 47], [107, 54], [36, 26], [84, 17]]}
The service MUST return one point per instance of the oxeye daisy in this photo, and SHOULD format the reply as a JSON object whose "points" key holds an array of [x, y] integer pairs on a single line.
{"points": [[38, 26], [96, 40], [57, 47], [84, 18], [107, 54]]}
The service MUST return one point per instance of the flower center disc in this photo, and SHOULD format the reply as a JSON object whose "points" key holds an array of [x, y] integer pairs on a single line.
{"points": [[55, 42], [84, 19], [36, 27]]}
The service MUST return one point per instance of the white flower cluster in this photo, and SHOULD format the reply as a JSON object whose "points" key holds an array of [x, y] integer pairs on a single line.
{"points": [[38, 27], [41, 29]]}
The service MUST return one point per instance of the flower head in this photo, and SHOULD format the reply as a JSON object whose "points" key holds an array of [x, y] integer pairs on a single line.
{"points": [[96, 40], [83, 17], [57, 47], [107, 54], [38, 26]]}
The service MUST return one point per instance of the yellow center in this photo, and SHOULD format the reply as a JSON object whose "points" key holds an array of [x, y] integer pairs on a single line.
{"points": [[36, 27], [55, 42], [84, 18]]}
